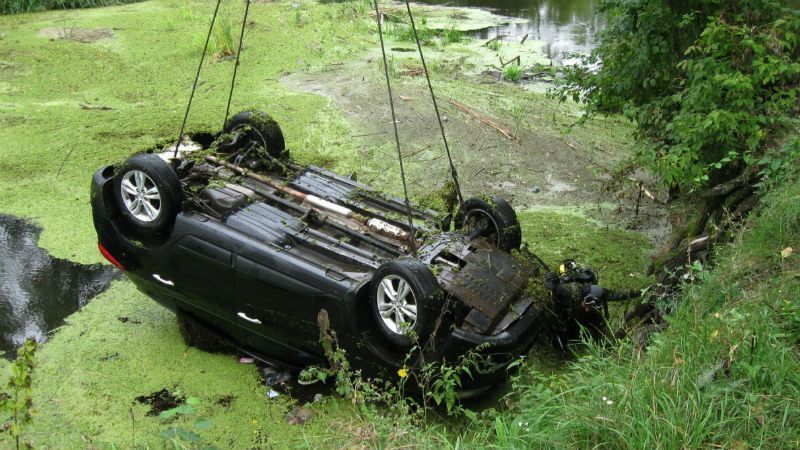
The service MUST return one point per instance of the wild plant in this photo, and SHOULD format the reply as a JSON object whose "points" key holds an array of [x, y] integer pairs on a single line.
{"points": [[17, 402]]}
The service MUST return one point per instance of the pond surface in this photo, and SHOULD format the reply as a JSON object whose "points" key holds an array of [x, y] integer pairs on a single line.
{"points": [[37, 291], [566, 26]]}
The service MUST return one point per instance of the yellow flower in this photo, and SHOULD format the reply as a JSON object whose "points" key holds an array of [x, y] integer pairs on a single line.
{"points": [[402, 373]]}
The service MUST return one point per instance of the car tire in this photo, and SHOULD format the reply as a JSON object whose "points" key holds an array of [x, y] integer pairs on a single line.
{"points": [[148, 193], [202, 337], [261, 129], [496, 216], [405, 289]]}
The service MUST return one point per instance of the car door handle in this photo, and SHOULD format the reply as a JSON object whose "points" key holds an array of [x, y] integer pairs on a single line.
{"points": [[249, 319], [163, 280]]}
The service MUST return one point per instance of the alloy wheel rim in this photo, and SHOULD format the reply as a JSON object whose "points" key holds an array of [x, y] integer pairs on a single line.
{"points": [[396, 304], [141, 196]]}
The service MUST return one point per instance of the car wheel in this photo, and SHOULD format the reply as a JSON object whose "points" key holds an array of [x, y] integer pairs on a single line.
{"points": [[259, 128], [493, 219], [200, 336], [406, 302], [148, 193]]}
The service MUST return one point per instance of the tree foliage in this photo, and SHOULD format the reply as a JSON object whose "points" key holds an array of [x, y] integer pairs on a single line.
{"points": [[710, 84]]}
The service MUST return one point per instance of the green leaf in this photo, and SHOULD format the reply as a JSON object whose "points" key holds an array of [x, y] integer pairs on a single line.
{"points": [[194, 401], [187, 436], [168, 414], [203, 424]]}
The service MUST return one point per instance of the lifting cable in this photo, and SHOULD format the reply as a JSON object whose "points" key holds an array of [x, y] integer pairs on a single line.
{"points": [[236, 67], [396, 135], [453, 172], [197, 77]]}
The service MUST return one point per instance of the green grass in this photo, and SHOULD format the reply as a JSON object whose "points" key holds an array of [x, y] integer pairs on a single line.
{"points": [[24, 6], [744, 311]]}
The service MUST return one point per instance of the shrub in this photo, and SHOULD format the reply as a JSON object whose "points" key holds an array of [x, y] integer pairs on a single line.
{"points": [[710, 84]]}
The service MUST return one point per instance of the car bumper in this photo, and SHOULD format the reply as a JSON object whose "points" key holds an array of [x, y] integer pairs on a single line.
{"points": [[494, 353]]}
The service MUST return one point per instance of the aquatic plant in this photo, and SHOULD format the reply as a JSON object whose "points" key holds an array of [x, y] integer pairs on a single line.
{"points": [[513, 73]]}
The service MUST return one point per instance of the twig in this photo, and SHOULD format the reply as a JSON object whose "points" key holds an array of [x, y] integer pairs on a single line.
{"points": [[476, 173], [503, 64], [65, 160], [524, 38], [369, 134], [499, 36], [580, 153], [484, 119], [96, 107]]}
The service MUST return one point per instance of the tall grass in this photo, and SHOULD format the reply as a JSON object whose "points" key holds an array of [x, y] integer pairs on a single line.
{"points": [[25, 6], [726, 374]]}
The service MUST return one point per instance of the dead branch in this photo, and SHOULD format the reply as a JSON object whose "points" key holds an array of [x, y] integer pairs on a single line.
{"points": [[640, 186], [503, 64], [484, 119], [498, 37]]}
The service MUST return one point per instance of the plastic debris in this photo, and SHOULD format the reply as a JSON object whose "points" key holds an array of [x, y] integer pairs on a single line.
{"points": [[272, 394], [273, 377], [245, 360]]}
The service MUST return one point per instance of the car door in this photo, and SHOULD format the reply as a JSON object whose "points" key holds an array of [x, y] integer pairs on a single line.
{"points": [[279, 312], [203, 276]]}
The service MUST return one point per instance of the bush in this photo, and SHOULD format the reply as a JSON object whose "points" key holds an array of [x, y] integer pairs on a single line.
{"points": [[710, 84], [25, 6]]}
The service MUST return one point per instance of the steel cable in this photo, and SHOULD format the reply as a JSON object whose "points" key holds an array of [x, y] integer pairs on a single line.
{"points": [[396, 134], [196, 78], [236, 67], [453, 172]]}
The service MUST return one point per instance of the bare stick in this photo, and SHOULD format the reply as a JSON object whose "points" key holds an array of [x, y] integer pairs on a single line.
{"points": [[484, 119], [498, 37]]}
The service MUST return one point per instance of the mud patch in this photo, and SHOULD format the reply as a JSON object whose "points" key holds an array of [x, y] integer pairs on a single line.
{"points": [[160, 401], [224, 401], [76, 34]]}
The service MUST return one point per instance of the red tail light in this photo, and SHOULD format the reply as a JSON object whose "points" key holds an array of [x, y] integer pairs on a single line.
{"points": [[110, 258]]}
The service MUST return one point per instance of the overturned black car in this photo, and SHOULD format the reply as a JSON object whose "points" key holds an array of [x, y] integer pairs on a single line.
{"points": [[237, 237]]}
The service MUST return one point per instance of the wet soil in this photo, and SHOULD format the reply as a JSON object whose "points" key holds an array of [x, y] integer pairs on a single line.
{"points": [[37, 291], [541, 167]]}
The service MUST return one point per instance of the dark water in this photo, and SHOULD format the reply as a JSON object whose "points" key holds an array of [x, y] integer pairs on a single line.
{"points": [[38, 291], [565, 26]]}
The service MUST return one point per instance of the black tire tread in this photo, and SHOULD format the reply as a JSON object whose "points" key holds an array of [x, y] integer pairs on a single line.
{"points": [[510, 233], [265, 130]]}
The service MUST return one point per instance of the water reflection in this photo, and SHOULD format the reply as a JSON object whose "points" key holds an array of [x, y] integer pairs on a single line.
{"points": [[38, 291], [565, 26]]}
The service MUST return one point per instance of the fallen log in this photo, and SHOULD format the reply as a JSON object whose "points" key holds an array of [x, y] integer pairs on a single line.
{"points": [[485, 120]]}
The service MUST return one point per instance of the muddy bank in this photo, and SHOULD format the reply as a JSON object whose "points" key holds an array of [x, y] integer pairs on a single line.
{"points": [[538, 166], [37, 291]]}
